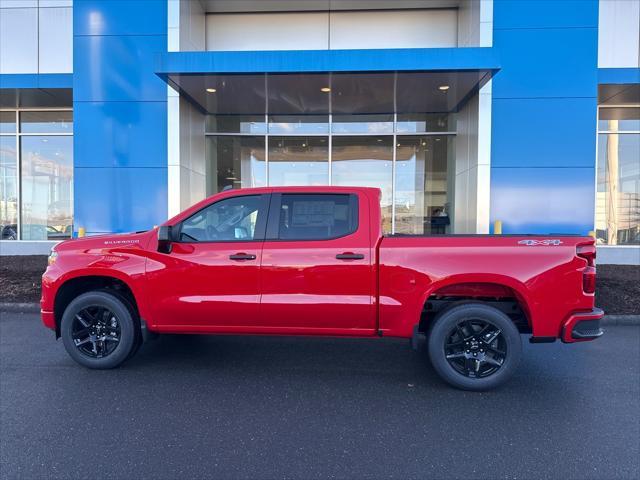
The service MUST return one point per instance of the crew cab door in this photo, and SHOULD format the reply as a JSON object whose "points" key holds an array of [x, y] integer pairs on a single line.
{"points": [[211, 276], [317, 275]]}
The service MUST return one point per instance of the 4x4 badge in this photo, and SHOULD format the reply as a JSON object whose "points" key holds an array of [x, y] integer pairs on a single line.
{"points": [[545, 242]]}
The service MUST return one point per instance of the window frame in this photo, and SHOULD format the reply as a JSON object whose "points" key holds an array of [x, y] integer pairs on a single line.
{"points": [[261, 222], [273, 222], [607, 133], [18, 135]]}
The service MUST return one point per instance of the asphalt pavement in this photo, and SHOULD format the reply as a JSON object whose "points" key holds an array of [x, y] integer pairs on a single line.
{"points": [[277, 407]]}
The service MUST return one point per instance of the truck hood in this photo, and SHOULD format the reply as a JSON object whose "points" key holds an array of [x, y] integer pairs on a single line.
{"points": [[108, 241]]}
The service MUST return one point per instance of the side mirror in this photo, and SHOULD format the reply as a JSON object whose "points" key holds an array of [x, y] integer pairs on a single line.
{"points": [[165, 237]]}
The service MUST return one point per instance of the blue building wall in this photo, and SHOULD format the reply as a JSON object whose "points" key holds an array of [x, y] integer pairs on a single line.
{"points": [[120, 115], [544, 116], [543, 119]]}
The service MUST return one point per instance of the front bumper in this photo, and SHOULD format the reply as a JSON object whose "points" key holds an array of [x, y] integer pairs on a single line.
{"points": [[48, 319], [584, 326]]}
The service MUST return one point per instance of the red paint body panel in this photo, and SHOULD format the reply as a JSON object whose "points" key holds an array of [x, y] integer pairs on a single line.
{"points": [[546, 280], [305, 286], [118, 256], [198, 285], [301, 288]]}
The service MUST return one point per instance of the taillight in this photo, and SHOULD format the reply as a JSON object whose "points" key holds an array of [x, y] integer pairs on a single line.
{"points": [[588, 252], [589, 280]]}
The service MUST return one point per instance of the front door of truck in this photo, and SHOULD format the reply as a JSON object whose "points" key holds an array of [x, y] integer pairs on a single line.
{"points": [[317, 273], [211, 277]]}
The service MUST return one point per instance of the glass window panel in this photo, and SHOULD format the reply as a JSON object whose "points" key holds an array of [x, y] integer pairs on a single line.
{"points": [[233, 219], [8, 188], [46, 122], [373, 124], [619, 119], [298, 161], [423, 177], [618, 192], [236, 124], [47, 187], [7, 122], [235, 162], [55, 40], [317, 217], [288, 124], [365, 162], [19, 40], [425, 122]]}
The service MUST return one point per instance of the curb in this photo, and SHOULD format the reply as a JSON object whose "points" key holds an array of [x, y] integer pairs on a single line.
{"points": [[608, 320], [19, 307]]}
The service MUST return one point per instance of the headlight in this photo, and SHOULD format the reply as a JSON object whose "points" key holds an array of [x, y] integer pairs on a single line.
{"points": [[53, 256]]}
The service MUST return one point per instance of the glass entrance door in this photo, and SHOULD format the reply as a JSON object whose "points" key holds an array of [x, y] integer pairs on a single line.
{"points": [[409, 157]]}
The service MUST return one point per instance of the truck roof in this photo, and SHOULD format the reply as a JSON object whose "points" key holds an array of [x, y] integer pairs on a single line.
{"points": [[318, 188], [368, 191]]}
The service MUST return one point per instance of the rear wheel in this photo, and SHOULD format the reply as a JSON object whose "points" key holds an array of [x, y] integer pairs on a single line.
{"points": [[474, 346], [98, 330]]}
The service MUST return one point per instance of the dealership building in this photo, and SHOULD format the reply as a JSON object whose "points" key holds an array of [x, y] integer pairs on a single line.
{"points": [[117, 114]]}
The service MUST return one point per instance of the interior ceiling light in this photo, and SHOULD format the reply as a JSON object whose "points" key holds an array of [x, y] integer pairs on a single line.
{"points": [[443, 88], [325, 89], [211, 90]]}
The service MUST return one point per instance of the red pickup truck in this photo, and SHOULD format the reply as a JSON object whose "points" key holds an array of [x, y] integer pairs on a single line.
{"points": [[314, 261]]}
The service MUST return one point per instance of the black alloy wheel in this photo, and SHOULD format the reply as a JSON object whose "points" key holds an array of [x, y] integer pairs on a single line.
{"points": [[96, 331], [475, 348], [100, 329]]}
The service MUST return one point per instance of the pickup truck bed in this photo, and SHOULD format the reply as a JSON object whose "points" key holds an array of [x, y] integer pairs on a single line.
{"points": [[542, 283]]}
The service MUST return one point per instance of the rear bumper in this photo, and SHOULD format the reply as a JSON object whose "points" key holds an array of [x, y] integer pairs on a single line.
{"points": [[584, 326]]}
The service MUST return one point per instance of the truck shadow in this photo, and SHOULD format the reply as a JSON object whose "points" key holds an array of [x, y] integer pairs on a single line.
{"points": [[322, 359]]}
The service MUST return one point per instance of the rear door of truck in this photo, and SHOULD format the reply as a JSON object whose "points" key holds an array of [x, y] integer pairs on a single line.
{"points": [[316, 271]]}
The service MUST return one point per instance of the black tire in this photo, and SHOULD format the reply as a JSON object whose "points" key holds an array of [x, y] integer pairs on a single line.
{"points": [[95, 304], [460, 354], [136, 320]]}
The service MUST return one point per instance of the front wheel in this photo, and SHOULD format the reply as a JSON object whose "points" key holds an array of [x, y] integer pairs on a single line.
{"points": [[474, 346], [98, 330]]}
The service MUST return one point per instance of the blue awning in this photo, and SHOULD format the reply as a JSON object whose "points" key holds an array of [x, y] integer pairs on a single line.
{"points": [[360, 81], [36, 90]]}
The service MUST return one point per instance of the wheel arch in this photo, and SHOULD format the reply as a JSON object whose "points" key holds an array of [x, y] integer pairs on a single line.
{"points": [[505, 294], [72, 287]]}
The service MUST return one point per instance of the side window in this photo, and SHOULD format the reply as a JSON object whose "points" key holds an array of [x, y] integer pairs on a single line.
{"points": [[232, 219], [317, 216]]}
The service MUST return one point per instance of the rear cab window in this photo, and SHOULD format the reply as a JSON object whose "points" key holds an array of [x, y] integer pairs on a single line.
{"points": [[312, 216]]}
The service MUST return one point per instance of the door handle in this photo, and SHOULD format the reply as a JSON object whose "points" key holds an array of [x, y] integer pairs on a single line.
{"points": [[242, 256], [349, 256]]}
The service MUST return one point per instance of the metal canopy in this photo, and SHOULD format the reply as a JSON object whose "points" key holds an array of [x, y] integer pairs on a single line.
{"points": [[35, 97], [36, 90], [419, 80], [349, 93], [619, 94]]}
